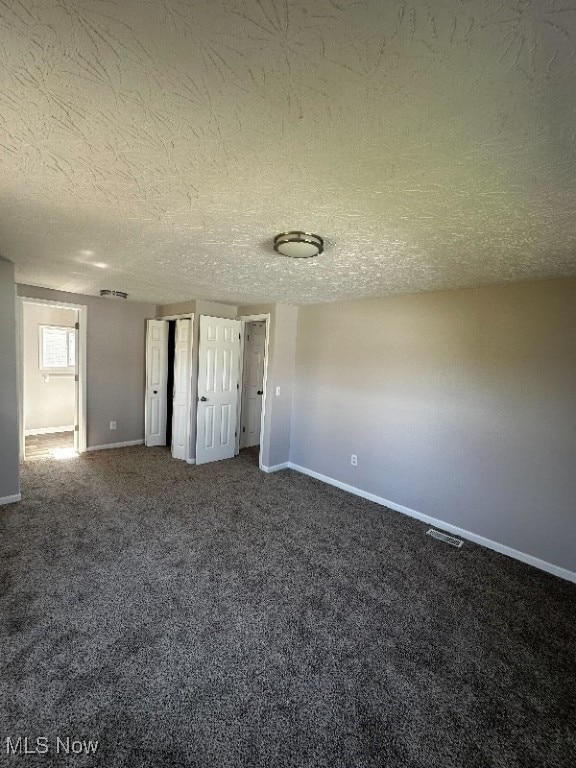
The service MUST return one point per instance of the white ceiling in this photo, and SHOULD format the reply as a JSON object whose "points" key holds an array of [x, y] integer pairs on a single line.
{"points": [[157, 146]]}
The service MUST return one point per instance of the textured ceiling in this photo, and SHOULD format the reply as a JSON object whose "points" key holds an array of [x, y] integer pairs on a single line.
{"points": [[156, 146]]}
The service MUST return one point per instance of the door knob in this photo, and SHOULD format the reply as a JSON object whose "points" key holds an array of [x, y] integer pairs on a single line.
{"points": [[155, 392], [260, 392], [203, 399]]}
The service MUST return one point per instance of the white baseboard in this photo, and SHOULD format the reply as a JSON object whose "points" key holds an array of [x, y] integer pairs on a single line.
{"points": [[48, 430], [11, 499], [126, 444], [190, 461], [276, 467], [555, 570]]}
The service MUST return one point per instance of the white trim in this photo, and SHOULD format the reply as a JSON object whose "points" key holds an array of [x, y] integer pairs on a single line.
{"points": [[183, 316], [49, 430], [19, 309], [190, 461], [542, 565], [126, 444], [277, 467], [11, 499], [240, 387]]}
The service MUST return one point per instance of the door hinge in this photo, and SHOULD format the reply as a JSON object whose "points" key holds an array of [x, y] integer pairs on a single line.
{"points": [[77, 325], [76, 378], [239, 337], [237, 386], [243, 429], [75, 427], [236, 434]]}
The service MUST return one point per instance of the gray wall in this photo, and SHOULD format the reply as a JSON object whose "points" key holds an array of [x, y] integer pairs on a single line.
{"points": [[115, 363], [52, 402], [460, 405], [9, 438]]}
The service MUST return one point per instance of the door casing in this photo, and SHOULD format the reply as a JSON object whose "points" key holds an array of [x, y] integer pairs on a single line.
{"points": [[80, 418], [264, 418], [248, 439]]}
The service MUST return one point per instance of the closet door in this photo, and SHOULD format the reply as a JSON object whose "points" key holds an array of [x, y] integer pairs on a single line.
{"points": [[156, 382], [217, 388], [182, 388]]}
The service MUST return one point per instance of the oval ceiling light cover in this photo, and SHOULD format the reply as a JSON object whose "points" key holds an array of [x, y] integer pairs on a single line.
{"points": [[298, 245]]}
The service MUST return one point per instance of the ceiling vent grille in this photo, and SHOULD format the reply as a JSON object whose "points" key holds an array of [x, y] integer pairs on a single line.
{"points": [[107, 294]]}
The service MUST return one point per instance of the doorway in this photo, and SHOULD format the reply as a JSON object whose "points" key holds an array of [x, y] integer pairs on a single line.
{"points": [[252, 385], [52, 379], [253, 421]]}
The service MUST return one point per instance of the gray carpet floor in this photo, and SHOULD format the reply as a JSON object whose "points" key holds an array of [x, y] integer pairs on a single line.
{"points": [[217, 616]]}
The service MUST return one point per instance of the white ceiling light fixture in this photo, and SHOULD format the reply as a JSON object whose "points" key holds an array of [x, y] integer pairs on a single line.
{"points": [[108, 294], [298, 245]]}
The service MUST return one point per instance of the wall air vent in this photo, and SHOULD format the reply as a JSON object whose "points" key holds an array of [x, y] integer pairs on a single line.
{"points": [[107, 294], [454, 542]]}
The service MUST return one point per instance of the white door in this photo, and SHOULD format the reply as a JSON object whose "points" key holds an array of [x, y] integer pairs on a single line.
{"points": [[252, 383], [182, 388], [156, 382], [217, 388], [76, 342]]}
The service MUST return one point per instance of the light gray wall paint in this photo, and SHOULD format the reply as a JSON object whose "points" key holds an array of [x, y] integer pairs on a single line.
{"points": [[52, 402], [180, 308], [115, 363], [460, 405], [281, 354], [216, 309], [9, 437]]}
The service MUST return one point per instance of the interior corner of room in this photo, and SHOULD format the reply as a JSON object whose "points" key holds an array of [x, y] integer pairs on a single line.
{"points": [[457, 406]]}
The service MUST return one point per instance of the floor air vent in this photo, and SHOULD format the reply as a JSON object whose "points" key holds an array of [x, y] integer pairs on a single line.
{"points": [[444, 537]]}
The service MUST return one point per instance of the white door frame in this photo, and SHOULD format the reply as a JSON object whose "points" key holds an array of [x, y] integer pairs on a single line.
{"points": [[264, 427], [82, 310]]}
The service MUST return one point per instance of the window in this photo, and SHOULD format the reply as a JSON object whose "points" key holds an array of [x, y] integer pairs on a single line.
{"points": [[57, 348]]}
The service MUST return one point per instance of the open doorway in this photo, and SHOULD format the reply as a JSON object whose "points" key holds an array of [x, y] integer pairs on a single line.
{"points": [[252, 387], [252, 418], [52, 376]]}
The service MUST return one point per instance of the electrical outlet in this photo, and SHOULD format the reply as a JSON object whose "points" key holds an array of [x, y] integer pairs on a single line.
{"points": [[277, 391], [354, 460], [113, 425]]}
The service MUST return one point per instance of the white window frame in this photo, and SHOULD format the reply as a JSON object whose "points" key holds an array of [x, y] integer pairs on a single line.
{"points": [[70, 368]]}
